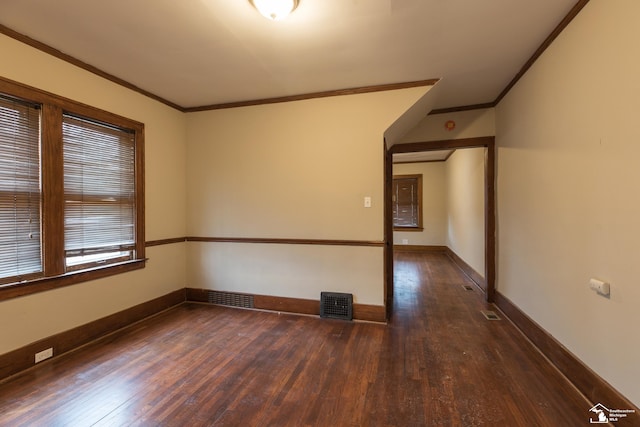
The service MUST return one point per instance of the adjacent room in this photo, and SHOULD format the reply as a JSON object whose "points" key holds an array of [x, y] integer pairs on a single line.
{"points": [[384, 212]]}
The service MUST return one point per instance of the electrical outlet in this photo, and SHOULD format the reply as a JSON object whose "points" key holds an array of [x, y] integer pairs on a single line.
{"points": [[44, 355], [602, 288]]}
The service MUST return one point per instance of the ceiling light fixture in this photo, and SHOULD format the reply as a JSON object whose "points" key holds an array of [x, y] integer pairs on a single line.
{"points": [[275, 10]]}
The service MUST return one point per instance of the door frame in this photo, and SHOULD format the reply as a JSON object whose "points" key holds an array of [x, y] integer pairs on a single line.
{"points": [[487, 142]]}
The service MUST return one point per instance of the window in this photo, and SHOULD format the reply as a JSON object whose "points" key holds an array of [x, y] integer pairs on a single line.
{"points": [[71, 191], [407, 202], [19, 189], [99, 192]]}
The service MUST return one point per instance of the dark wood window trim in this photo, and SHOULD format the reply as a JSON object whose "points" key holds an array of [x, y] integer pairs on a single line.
{"points": [[52, 172], [418, 225]]}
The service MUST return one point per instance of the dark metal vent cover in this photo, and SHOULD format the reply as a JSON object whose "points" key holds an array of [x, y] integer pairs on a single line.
{"points": [[336, 305], [230, 299], [490, 315]]}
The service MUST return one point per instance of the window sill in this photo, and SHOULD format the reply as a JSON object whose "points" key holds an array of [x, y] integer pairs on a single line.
{"points": [[408, 228], [41, 284]]}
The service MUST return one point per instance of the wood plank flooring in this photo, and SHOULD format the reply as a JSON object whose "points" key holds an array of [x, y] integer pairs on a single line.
{"points": [[438, 363]]}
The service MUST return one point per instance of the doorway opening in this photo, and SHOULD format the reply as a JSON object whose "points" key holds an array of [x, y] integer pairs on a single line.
{"points": [[489, 207]]}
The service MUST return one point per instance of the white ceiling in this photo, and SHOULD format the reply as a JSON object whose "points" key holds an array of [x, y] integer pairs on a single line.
{"points": [[204, 52]]}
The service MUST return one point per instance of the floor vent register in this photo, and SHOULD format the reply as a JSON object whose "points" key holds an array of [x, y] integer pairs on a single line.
{"points": [[336, 305]]}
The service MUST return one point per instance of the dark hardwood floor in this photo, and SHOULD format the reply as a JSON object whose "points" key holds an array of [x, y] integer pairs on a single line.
{"points": [[438, 363]]}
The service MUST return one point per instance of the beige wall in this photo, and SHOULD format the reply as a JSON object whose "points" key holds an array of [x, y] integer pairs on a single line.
{"points": [[292, 271], [568, 177], [47, 313], [465, 206], [469, 124], [434, 204], [291, 170]]}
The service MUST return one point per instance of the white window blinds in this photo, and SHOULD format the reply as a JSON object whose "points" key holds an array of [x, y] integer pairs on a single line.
{"points": [[99, 193], [20, 196]]}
